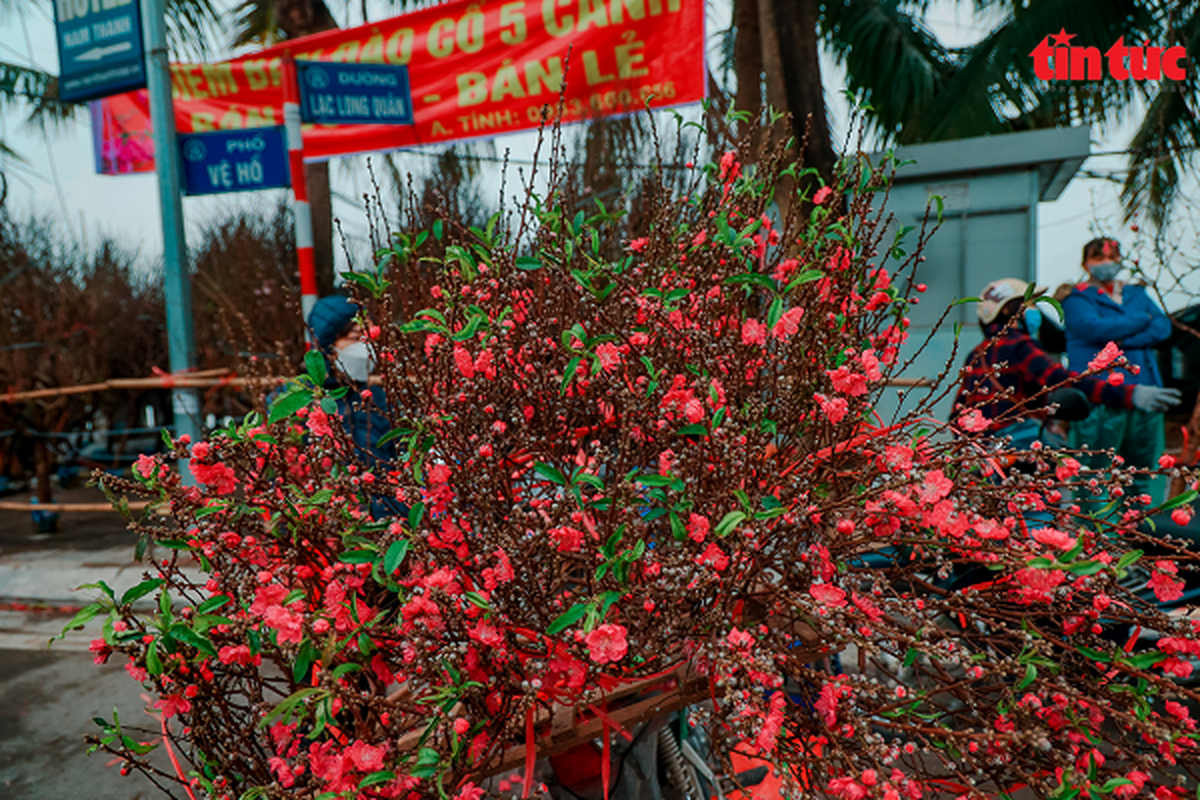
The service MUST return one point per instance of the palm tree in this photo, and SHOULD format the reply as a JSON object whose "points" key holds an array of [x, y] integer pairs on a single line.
{"points": [[1170, 132], [191, 25], [919, 90]]}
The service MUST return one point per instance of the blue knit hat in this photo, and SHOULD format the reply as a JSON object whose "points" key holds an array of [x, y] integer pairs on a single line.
{"points": [[330, 318]]}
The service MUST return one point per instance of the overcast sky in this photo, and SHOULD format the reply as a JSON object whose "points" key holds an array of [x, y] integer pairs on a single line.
{"points": [[59, 177]]}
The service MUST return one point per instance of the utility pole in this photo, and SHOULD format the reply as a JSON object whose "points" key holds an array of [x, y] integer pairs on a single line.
{"points": [[176, 286]]}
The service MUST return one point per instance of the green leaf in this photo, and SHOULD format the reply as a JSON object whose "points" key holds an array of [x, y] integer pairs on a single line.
{"points": [[102, 586], [153, 664], [383, 776], [728, 523], [751, 278], [1128, 559], [415, 515], [185, 635], [394, 433], [304, 660], [358, 556], [692, 430], [609, 548], [911, 656], [678, 529], [1094, 655], [1053, 303], [289, 404], [173, 544], [136, 747], [609, 599], [1084, 567], [477, 599], [314, 363], [213, 507], [655, 480], [144, 588], [81, 618], [528, 263], [808, 276], [569, 373], [1145, 660], [438, 229], [395, 555], [544, 470], [285, 708], [1030, 677], [567, 619], [344, 669], [1178, 500], [774, 312], [591, 480]]}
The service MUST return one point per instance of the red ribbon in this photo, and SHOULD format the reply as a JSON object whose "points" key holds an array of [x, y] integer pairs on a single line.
{"points": [[609, 722], [168, 380], [606, 764], [530, 752], [187, 787]]}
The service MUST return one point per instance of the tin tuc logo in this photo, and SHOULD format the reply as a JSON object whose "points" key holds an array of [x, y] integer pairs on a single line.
{"points": [[1063, 61]]}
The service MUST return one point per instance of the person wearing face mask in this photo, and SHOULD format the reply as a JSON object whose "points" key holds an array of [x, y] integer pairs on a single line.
{"points": [[1104, 309], [339, 336], [1010, 380]]}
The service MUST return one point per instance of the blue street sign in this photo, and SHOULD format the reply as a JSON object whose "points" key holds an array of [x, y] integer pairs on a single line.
{"points": [[354, 94], [99, 48], [234, 161]]}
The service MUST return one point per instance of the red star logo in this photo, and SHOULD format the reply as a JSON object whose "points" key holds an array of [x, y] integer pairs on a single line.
{"points": [[1062, 38]]}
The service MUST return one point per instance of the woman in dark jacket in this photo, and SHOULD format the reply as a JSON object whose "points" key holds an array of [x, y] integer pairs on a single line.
{"points": [[339, 336]]}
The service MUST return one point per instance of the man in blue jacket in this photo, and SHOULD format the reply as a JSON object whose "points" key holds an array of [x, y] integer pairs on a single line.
{"points": [[1102, 310]]}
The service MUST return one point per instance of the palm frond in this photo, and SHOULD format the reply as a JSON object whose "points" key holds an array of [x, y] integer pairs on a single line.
{"points": [[192, 27], [34, 91], [890, 56], [996, 89], [253, 23], [1166, 141]]}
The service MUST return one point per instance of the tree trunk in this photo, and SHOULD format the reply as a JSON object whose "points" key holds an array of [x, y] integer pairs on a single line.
{"points": [[748, 64], [320, 203], [796, 49], [43, 466]]}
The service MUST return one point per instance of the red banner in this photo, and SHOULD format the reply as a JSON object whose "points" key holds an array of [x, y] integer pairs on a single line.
{"points": [[476, 69]]}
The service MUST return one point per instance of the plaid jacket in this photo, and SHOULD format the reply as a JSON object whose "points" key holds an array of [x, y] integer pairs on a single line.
{"points": [[1012, 361]]}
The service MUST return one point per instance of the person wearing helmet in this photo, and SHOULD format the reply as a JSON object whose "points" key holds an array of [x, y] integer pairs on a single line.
{"points": [[1102, 310], [1008, 378]]}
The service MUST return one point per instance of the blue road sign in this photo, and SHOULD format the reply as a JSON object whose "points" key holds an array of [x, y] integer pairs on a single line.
{"points": [[234, 161], [354, 94], [99, 47]]}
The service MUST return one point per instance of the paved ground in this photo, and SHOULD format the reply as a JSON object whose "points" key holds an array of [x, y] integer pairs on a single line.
{"points": [[48, 696]]}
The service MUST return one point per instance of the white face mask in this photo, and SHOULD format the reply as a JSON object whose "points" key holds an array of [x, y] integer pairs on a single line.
{"points": [[357, 361]]}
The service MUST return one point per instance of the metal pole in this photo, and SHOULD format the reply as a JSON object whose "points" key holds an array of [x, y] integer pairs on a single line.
{"points": [[301, 212], [177, 289]]}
